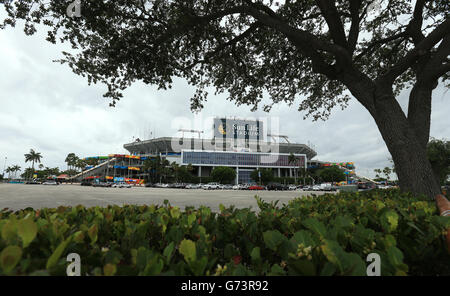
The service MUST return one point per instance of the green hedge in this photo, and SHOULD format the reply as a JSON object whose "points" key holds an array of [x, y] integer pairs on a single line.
{"points": [[318, 235]]}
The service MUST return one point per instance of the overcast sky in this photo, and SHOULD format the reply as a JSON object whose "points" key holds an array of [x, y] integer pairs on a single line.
{"points": [[44, 106]]}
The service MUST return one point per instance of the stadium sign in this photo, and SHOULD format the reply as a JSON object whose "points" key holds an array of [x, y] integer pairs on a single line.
{"points": [[238, 129]]}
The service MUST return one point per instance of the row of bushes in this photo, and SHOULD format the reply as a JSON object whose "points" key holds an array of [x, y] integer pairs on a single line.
{"points": [[317, 235]]}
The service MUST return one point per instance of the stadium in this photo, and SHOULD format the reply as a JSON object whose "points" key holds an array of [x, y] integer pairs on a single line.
{"points": [[244, 145]]}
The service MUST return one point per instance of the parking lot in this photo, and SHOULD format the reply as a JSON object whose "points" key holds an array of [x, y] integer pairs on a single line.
{"points": [[20, 196]]}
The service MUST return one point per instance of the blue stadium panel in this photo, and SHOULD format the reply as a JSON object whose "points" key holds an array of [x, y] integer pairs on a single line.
{"points": [[240, 159]]}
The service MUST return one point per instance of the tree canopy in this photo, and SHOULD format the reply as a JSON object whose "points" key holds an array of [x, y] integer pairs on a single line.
{"points": [[331, 174], [266, 176], [319, 52], [439, 155], [223, 175]]}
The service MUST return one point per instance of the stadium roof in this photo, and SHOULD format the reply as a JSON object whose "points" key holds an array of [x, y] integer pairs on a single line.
{"points": [[164, 145]]}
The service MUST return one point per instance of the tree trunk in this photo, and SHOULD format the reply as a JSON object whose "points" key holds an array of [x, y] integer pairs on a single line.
{"points": [[407, 149]]}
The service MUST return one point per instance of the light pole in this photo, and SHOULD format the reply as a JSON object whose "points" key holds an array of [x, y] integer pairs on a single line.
{"points": [[4, 167]]}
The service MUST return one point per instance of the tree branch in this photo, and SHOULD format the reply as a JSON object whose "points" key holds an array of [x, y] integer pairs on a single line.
{"points": [[331, 15], [353, 35], [421, 49], [415, 25]]}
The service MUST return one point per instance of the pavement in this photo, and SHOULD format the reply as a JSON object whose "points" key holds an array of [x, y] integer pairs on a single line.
{"points": [[21, 196]]}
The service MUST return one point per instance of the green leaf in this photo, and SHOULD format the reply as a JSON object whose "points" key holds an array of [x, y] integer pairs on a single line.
{"points": [[168, 251], [276, 270], [315, 226], [273, 239], [389, 220], [142, 256], [303, 267], [395, 256], [353, 264], [27, 230], [57, 253], [333, 251], [239, 270], [93, 232], [198, 266], [191, 219], [328, 269], [187, 249], [9, 258], [175, 213], [109, 269], [154, 266], [303, 237], [256, 254], [9, 230]]}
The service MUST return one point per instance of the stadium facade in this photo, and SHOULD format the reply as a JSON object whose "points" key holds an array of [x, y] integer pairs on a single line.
{"points": [[237, 143]]}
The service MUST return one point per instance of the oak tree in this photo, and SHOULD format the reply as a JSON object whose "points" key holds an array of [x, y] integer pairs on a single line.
{"points": [[319, 53]]}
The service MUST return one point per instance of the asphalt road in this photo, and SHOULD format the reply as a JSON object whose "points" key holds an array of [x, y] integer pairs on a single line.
{"points": [[20, 196]]}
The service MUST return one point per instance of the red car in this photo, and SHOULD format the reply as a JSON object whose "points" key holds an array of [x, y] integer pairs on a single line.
{"points": [[256, 187]]}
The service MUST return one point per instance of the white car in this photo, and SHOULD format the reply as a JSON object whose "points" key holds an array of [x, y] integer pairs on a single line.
{"points": [[193, 186], [121, 185], [211, 186], [50, 182], [384, 187], [316, 188], [292, 187], [326, 187]]}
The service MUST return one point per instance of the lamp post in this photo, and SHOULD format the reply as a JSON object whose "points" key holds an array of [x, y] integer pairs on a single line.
{"points": [[4, 167]]}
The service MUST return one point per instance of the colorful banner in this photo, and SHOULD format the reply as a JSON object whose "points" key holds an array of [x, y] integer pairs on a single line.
{"points": [[132, 156]]}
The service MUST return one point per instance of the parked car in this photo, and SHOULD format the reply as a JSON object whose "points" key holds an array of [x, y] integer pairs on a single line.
{"points": [[276, 186], [316, 188], [121, 185], [366, 185], [50, 182], [307, 188], [86, 183], [246, 186], [292, 187], [237, 187], [150, 185], [212, 185], [256, 187], [326, 187], [33, 182], [227, 187], [193, 186]]}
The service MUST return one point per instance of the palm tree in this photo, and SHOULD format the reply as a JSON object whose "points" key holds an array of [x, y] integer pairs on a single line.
{"points": [[9, 170], [387, 171], [175, 168], [293, 159], [71, 160], [81, 164], [33, 156], [377, 173], [16, 169]]}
